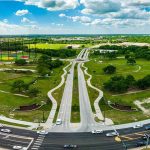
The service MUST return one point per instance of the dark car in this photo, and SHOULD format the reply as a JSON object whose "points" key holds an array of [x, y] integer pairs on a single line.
{"points": [[70, 146], [144, 137], [147, 127], [141, 143]]}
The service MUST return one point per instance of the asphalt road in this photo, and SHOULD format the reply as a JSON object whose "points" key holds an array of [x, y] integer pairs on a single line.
{"points": [[18, 137], [84, 141], [87, 116], [89, 141], [66, 103]]}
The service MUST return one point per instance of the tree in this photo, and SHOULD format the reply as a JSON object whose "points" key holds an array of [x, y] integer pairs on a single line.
{"points": [[18, 86], [20, 62], [46, 64], [33, 92], [144, 83], [111, 55], [131, 61], [116, 84], [130, 80], [57, 63], [109, 69]]}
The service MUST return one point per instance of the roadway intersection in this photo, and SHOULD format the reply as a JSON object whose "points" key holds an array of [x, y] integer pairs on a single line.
{"points": [[59, 135]]}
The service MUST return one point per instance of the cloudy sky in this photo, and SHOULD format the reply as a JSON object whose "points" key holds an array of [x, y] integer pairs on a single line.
{"points": [[74, 16]]}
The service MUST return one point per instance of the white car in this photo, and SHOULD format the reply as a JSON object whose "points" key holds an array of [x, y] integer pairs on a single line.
{"points": [[112, 134], [5, 130], [1, 126], [43, 132], [58, 122], [138, 126], [97, 131], [19, 147]]}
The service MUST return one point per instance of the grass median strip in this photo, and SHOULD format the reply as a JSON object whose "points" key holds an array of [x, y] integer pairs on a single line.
{"points": [[75, 114]]}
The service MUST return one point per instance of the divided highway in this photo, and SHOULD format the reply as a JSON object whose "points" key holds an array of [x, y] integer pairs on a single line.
{"points": [[60, 135]]}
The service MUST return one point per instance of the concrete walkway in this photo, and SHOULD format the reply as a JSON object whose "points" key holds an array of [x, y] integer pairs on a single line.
{"points": [[14, 69], [139, 105], [100, 96], [51, 116], [21, 95], [19, 122]]}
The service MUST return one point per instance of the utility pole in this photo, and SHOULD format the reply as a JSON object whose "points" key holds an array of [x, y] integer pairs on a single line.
{"points": [[43, 117], [147, 143]]}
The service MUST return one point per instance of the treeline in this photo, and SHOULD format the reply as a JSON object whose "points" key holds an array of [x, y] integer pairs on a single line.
{"points": [[138, 51], [18, 46], [63, 53], [12, 46], [45, 65], [120, 84]]}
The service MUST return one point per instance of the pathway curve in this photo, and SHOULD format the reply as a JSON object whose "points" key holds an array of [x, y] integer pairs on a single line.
{"points": [[139, 105], [51, 116], [139, 68], [100, 96]]}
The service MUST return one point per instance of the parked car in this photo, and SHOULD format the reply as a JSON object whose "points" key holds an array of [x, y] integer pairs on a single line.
{"points": [[5, 130], [112, 134], [141, 143], [138, 126], [58, 122], [97, 131], [17, 147], [147, 127], [70, 146], [43, 132]]}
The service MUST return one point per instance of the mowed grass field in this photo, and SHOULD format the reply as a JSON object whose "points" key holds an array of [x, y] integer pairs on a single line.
{"points": [[9, 101], [48, 46], [140, 70]]}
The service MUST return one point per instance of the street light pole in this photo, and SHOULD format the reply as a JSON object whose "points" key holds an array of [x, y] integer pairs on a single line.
{"points": [[147, 143]]}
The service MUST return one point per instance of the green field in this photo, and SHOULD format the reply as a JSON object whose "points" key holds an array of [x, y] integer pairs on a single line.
{"points": [[9, 101], [48, 46], [96, 69]]}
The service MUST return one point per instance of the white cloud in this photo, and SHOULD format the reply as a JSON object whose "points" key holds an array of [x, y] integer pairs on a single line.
{"points": [[22, 12], [5, 20], [100, 6], [26, 20], [62, 15], [132, 13], [82, 19], [57, 24], [53, 5]]}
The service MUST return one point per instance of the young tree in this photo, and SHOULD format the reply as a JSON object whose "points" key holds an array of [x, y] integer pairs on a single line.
{"points": [[20, 62], [33, 92], [131, 61], [18, 86], [109, 69]]}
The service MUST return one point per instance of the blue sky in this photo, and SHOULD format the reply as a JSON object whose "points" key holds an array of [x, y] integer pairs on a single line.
{"points": [[74, 16]]}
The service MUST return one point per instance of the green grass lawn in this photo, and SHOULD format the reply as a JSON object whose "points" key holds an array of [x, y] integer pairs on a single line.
{"points": [[8, 102], [95, 69], [48, 46]]}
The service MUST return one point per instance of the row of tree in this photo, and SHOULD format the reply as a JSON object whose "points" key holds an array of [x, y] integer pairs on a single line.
{"points": [[120, 84], [19, 86], [137, 51], [45, 65]]}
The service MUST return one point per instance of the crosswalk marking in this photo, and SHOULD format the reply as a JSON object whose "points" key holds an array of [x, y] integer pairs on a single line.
{"points": [[38, 142]]}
